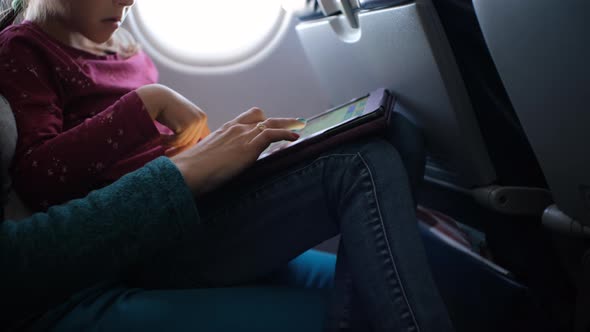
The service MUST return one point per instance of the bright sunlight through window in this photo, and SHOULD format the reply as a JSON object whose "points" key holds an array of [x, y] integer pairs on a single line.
{"points": [[208, 33]]}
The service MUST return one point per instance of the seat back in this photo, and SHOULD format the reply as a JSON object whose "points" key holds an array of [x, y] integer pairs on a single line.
{"points": [[11, 204], [400, 45], [541, 51], [7, 144], [510, 151]]}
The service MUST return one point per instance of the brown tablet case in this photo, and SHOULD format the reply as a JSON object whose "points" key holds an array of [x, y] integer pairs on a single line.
{"points": [[315, 146]]}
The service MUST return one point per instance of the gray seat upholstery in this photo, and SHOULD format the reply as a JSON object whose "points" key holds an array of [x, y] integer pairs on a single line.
{"points": [[11, 203], [8, 137], [541, 51], [402, 46]]}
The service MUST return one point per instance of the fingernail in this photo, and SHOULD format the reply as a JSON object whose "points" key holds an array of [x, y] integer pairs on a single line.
{"points": [[302, 120], [295, 136]]}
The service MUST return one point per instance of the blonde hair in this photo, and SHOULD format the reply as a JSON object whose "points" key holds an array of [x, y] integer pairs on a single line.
{"points": [[37, 10], [122, 42]]}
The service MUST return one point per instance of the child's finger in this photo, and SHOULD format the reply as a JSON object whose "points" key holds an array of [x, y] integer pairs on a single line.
{"points": [[183, 138], [191, 134], [205, 132], [169, 140]]}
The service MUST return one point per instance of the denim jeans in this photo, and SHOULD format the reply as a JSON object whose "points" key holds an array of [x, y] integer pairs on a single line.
{"points": [[359, 190], [249, 229]]}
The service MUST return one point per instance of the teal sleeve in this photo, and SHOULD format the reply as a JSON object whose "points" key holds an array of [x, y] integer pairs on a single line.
{"points": [[49, 256]]}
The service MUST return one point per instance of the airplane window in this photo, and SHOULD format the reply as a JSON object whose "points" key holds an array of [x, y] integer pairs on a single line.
{"points": [[208, 33]]}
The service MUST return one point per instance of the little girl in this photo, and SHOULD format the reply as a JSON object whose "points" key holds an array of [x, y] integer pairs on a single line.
{"points": [[85, 102], [88, 111]]}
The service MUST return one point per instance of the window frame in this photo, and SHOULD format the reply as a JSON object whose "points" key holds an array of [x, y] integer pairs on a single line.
{"points": [[240, 61]]}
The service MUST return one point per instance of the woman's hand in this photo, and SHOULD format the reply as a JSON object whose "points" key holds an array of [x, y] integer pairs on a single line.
{"points": [[232, 148], [186, 120]]}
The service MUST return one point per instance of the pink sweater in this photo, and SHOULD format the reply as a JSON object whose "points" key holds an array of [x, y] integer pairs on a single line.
{"points": [[81, 126]]}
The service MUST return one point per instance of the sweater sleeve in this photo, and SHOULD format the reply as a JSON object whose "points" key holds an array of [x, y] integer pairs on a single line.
{"points": [[51, 164], [50, 256]]}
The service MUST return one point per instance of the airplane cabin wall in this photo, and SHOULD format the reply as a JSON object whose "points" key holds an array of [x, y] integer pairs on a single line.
{"points": [[282, 83]]}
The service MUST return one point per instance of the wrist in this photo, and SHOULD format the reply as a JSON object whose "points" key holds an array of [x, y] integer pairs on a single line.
{"points": [[198, 175], [153, 97], [190, 173]]}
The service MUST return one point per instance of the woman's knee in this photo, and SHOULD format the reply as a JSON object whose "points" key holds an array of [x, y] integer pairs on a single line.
{"points": [[379, 155], [372, 160]]}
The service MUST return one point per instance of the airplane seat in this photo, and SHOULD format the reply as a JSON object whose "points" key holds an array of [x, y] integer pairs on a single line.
{"points": [[518, 242], [545, 71], [11, 205], [401, 45], [540, 49], [406, 63], [511, 154], [358, 46]]}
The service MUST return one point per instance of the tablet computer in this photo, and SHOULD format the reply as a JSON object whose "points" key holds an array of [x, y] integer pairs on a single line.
{"points": [[363, 116]]}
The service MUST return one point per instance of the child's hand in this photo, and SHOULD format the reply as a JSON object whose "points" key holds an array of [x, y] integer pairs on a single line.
{"points": [[231, 148], [187, 121]]}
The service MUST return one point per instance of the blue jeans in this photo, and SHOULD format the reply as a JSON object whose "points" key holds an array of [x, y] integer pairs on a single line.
{"points": [[360, 190]]}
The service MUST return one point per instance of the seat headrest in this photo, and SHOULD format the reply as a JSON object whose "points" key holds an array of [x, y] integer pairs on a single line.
{"points": [[8, 136]]}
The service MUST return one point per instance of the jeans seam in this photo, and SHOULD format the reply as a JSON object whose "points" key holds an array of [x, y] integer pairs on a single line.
{"points": [[403, 291]]}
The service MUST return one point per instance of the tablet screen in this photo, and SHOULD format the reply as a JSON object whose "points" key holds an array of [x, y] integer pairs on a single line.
{"points": [[323, 122]]}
